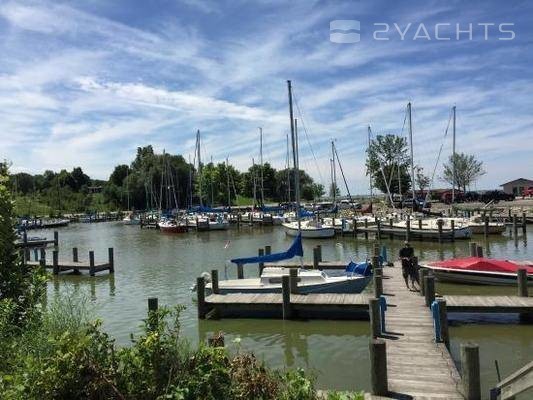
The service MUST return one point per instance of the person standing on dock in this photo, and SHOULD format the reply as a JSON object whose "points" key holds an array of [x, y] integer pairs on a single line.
{"points": [[408, 268]]}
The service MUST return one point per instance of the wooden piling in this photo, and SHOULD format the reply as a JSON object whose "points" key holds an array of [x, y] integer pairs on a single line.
{"points": [[439, 226], [486, 226], [375, 317], [408, 229], [479, 251], [240, 271], [319, 247], [524, 223], [443, 318], [420, 223], [515, 225], [75, 254], [452, 223], [391, 221], [286, 295], [153, 304], [92, 269], [55, 262], [293, 280], [366, 228], [375, 262], [316, 258], [378, 367], [521, 278], [111, 260], [268, 250], [470, 371], [260, 253], [200, 296], [422, 273], [56, 238], [214, 281], [354, 227], [429, 289], [473, 249], [36, 254], [378, 230], [378, 283]]}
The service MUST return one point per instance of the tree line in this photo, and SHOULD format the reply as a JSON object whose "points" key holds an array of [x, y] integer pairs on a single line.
{"points": [[166, 181]]}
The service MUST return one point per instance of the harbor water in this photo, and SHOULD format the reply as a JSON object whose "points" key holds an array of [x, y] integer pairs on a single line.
{"points": [[151, 264]]}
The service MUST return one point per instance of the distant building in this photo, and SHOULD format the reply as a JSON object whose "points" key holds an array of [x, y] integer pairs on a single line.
{"points": [[517, 186]]}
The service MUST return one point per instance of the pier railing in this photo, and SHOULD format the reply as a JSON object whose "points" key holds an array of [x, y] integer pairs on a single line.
{"points": [[514, 384]]}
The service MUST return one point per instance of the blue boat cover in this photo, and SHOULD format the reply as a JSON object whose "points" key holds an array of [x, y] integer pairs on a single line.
{"points": [[361, 268], [293, 251], [305, 213]]}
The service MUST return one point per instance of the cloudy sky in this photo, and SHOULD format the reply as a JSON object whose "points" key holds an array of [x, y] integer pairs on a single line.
{"points": [[87, 82]]}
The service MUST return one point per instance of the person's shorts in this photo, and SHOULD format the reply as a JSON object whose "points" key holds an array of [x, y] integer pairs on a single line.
{"points": [[406, 268]]}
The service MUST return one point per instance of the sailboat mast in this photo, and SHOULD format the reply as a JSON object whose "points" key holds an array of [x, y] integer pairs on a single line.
{"points": [[288, 172], [190, 182], [369, 174], [128, 186], [333, 173], [227, 183], [453, 157], [198, 155], [295, 157], [412, 158], [254, 184], [261, 162]]}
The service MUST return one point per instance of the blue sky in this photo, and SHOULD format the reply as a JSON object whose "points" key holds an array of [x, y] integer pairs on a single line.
{"points": [[87, 82]]}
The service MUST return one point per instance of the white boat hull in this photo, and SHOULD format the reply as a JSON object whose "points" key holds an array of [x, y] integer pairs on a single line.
{"points": [[475, 277], [291, 229]]}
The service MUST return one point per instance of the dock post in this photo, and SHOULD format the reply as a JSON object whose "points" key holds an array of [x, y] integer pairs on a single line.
{"points": [[479, 251], [56, 238], [240, 271], [260, 253], [375, 262], [486, 226], [75, 254], [473, 249], [319, 247], [521, 277], [452, 223], [378, 367], [354, 227], [316, 258], [524, 222], [55, 262], [214, 281], [429, 289], [391, 235], [470, 371], [268, 250], [515, 225], [293, 280], [375, 317], [420, 223], [366, 228], [25, 238], [376, 249], [111, 259], [408, 229], [443, 317], [422, 273], [26, 253], [378, 225], [200, 293], [286, 295], [152, 308], [439, 226], [36, 254], [92, 270], [378, 282]]}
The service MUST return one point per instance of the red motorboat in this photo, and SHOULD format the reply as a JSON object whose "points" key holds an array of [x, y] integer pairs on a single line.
{"points": [[478, 270]]}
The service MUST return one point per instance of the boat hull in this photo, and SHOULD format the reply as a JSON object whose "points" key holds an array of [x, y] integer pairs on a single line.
{"points": [[350, 285], [476, 277], [317, 233], [173, 229]]}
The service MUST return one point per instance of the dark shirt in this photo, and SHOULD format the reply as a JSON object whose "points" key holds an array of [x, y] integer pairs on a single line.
{"points": [[407, 252]]}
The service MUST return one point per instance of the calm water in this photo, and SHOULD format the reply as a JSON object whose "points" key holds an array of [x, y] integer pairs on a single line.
{"points": [[151, 264]]}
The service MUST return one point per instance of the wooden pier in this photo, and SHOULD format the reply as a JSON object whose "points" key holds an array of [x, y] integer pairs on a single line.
{"points": [[75, 265], [28, 243]]}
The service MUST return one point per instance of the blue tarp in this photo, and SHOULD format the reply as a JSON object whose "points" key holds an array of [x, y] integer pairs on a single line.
{"points": [[361, 268], [293, 251], [305, 213]]}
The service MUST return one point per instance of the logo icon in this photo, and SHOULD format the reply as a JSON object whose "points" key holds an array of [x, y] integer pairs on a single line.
{"points": [[344, 31]]}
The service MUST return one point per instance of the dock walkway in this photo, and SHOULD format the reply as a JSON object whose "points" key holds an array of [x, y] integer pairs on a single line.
{"points": [[416, 365]]}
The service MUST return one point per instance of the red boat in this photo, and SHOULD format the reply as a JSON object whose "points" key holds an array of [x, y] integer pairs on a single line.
{"points": [[478, 270]]}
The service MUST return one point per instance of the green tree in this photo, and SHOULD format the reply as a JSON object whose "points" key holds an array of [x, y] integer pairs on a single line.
{"points": [[21, 286], [467, 170], [387, 157], [422, 180], [119, 174]]}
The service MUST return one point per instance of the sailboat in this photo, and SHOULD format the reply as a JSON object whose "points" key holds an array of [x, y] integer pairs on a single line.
{"points": [[308, 228], [352, 280], [131, 218]]}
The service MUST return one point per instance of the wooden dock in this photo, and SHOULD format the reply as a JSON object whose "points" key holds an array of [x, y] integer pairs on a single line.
{"points": [[416, 365], [29, 243], [74, 266], [489, 304]]}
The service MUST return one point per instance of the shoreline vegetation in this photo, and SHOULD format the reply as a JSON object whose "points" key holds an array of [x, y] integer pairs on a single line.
{"points": [[57, 350]]}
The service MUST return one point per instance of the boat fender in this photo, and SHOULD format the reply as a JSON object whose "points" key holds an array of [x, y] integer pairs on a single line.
{"points": [[435, 310]]}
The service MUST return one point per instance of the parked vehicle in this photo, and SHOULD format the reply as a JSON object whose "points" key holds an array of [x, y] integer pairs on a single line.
{"points": [[495, 196], [528, 192]]}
